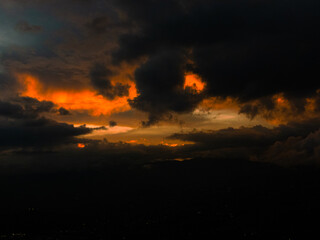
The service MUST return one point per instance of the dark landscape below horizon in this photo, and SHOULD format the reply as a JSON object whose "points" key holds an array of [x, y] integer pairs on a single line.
{"points": [[200, 198], [159, 119]]}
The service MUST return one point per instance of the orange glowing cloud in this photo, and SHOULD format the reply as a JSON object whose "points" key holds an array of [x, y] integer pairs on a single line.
{"points": [[284, 111], [85, 100], [194, 81], [219, 104], [171, 144], [81, 145], [280, 100]]}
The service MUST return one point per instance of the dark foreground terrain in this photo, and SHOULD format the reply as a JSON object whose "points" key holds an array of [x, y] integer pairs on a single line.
{"points": [[222, 199]]}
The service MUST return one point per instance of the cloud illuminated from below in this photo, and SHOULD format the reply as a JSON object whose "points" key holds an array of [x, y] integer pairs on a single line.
{"points": [[78, 100]]}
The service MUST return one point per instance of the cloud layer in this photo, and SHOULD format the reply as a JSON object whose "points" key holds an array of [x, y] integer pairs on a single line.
{"points": [[22, 125], [292, 144], [248, 50]]}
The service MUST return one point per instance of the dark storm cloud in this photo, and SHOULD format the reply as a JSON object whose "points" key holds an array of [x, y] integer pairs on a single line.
{"points": [[278, 145], [21, 125], [250, 136], [24, 26], [247, 50], [24, 107], [100, 78], [299, 150], [39, 132], [160, 83], [230, 137]]}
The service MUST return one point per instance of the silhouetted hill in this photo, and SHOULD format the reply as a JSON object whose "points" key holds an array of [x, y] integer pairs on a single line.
{"points": [[164, 200]]}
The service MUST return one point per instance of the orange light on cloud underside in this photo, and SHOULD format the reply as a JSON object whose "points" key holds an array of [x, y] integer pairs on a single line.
{"points": [[81, 145], [171, 144], [219, 104], [86, 99], [280, 100], [194, 81]]}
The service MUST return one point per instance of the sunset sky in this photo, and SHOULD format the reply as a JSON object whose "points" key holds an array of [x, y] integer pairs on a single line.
{"points": [[172, 118], [141, 72]]}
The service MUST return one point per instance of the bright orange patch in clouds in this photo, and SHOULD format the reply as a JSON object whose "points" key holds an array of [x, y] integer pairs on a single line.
{"points": [[86, 99], [280, 100], [171, 144], [81, 145], [194, 81]]}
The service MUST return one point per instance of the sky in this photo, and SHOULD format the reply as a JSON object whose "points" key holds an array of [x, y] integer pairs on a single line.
{"points": [[150, 104], [158, 73]]}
